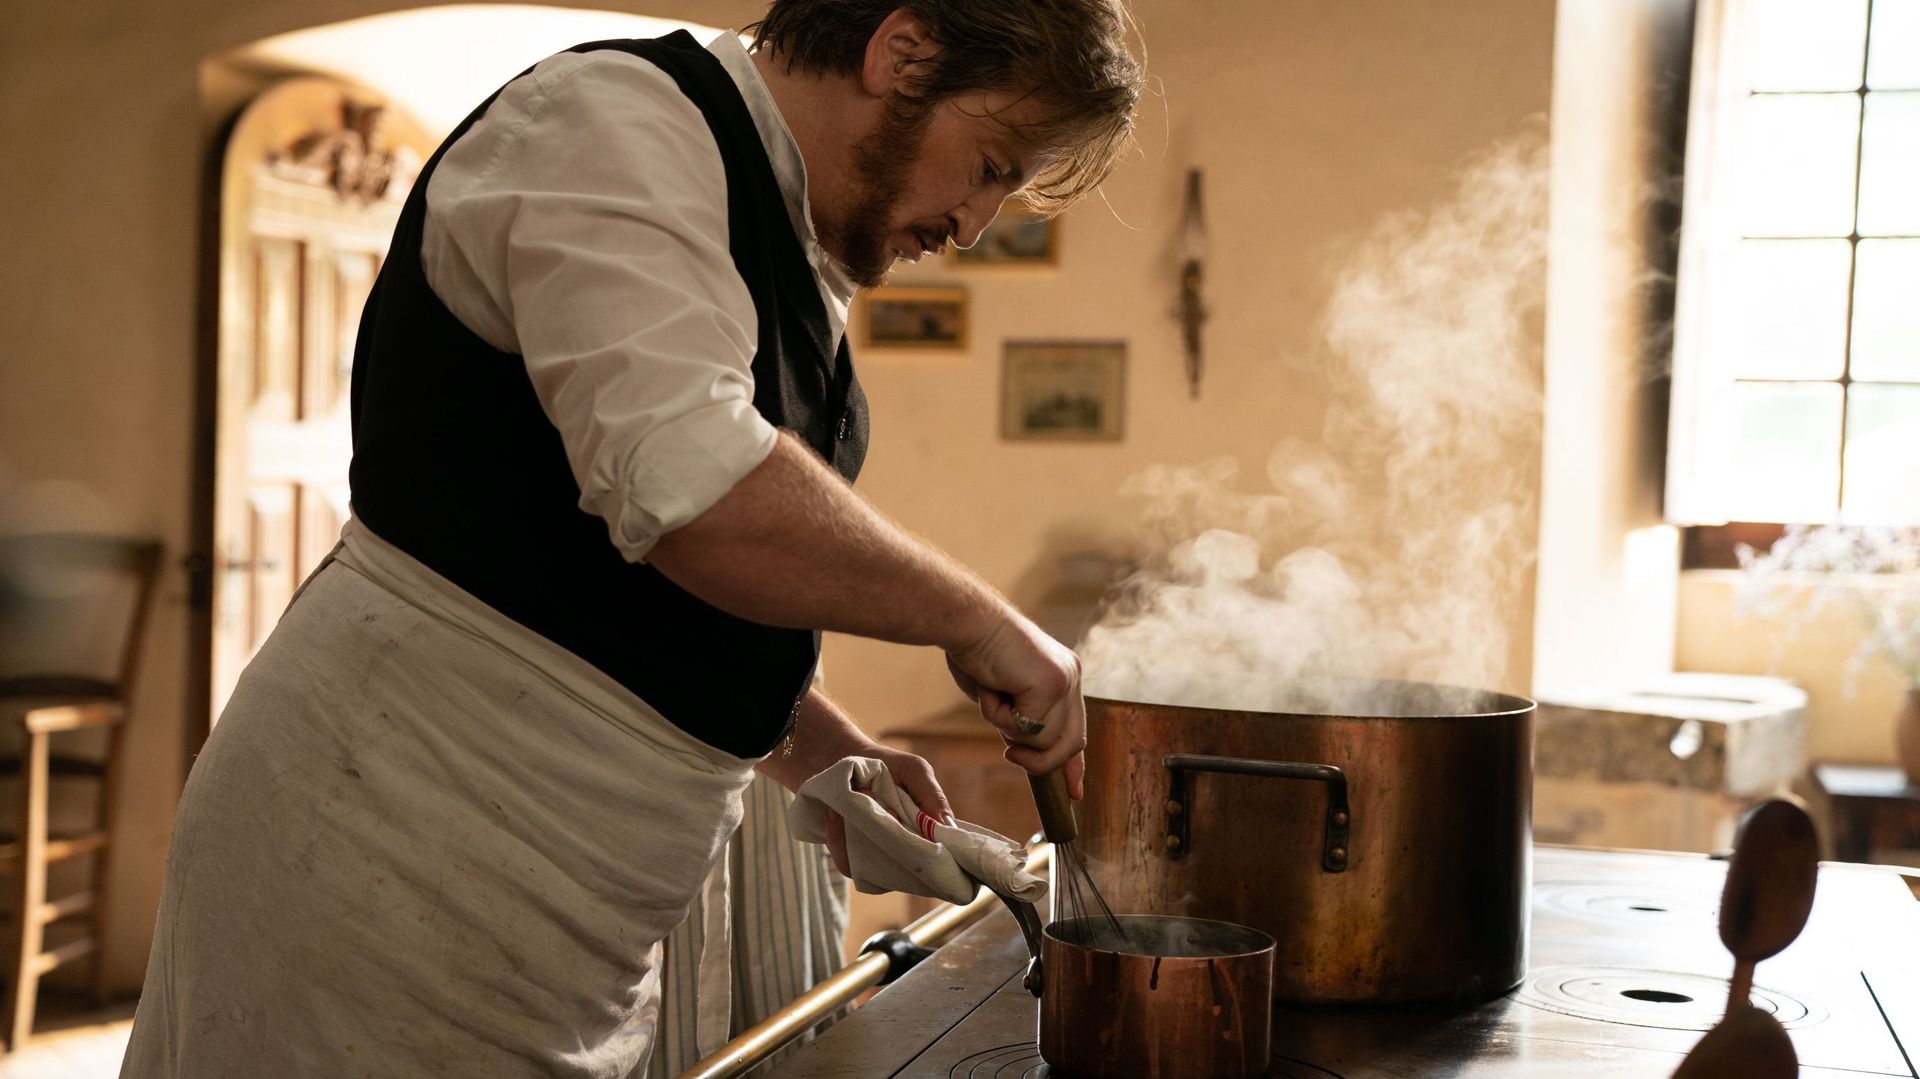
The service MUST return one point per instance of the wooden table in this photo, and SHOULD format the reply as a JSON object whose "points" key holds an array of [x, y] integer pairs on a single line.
{"points": [[1874, 807]]}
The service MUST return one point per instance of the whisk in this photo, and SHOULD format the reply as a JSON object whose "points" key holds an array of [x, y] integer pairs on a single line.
{"points": [[1078, 896]]}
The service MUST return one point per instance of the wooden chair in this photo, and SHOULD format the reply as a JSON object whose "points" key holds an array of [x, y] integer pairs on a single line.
{"points": [[49, 586]]}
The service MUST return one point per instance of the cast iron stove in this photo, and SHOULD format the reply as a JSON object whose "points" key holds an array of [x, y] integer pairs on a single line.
{"points": [[1626, 972]]}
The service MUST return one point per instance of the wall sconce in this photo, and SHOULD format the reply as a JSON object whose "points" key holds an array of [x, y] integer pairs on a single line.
{"points": [[1193, 253]]}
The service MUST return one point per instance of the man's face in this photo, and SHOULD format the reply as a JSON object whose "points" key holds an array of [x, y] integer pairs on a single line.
{"points": [[927, 176]]}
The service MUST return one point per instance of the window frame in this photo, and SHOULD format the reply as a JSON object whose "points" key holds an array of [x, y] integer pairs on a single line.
{"points": [[1720, 86]]}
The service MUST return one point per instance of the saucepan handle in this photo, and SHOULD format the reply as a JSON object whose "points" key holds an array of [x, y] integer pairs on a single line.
{"points": [[1182, 767], [1028, 919]]}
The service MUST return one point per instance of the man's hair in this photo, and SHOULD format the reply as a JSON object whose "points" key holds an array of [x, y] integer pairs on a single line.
{"points": [[1070, 55]]}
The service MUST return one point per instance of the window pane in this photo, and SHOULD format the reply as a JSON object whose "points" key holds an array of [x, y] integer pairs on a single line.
{"points": [[1779, 450], [1807, 44], [1894, 63], [1781, 310], [1890, 166], [1886, 312], [1796, 173], [1883, 469]]}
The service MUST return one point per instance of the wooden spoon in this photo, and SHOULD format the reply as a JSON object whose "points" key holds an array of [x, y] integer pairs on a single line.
{"points": [[1768, 895], [1769, 889], [1747, 1044]]}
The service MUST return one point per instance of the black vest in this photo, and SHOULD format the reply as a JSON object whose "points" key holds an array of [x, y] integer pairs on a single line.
{"points": [[455, 463]]}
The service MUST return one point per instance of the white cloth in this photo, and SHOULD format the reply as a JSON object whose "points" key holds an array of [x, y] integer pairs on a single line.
{"points": [[582, 224], [424, 841], [893, 846]]}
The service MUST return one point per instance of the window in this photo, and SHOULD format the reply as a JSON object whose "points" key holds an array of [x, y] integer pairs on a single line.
{"points": [[1797, 342]]}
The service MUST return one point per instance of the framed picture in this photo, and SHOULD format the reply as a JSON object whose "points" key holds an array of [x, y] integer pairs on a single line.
{"points": [[1063, 391], [917, 318], [1018, 237]]}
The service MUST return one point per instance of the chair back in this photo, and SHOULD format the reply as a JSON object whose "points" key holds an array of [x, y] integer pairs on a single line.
{"points": [[72, 606]]}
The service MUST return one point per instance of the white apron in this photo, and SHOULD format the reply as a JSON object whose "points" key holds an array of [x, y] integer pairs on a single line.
{"points": [[424, 841]]}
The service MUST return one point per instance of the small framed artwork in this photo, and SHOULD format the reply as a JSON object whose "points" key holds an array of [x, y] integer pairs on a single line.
{"points": [[1018, 237], [1063, 391], [917, 318]]}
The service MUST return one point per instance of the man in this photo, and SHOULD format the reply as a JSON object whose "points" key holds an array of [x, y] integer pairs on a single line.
{"points": [[490, 753]]}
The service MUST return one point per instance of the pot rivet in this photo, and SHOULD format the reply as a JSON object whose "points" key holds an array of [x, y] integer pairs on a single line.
{"points": [[1174, 808], [1173, 842], [1340, 818], [1338, 854]]}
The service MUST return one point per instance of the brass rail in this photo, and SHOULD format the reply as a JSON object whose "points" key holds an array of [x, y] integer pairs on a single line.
{"points": [[810, 1008]]}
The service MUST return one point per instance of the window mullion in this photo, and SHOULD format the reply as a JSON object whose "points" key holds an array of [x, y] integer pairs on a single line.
{"points": [[1853, 265]]}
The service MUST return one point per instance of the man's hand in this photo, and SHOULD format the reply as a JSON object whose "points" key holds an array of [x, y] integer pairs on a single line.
{"points": [[1028, 686], [915, 776]]}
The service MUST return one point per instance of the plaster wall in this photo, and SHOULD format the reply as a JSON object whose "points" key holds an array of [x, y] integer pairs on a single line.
{"points": [[1608, 564], [1850, 707]]}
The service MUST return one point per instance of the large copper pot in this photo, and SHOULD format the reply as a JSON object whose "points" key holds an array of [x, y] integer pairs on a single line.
{"points": [[1379, 833]]}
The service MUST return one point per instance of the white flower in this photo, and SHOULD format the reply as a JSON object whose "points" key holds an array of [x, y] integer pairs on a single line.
{"points": [[1875, 570]]}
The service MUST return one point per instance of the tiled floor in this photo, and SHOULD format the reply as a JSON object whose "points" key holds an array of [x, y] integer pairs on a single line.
{"points": [[72, 1042]]}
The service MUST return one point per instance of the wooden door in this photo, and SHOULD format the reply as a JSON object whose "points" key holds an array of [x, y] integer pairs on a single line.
{"points": [[313, 180]]}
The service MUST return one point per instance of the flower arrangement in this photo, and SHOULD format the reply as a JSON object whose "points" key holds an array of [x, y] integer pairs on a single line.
{"points": [[1874, 570]]}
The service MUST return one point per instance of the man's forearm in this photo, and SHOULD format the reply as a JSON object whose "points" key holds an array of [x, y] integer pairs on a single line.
{"points": [[792, 545]]}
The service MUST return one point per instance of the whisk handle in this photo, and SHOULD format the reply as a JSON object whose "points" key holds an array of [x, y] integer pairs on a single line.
{"points": [[1055, 806]]}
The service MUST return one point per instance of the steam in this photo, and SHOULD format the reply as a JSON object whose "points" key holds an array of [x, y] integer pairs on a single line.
{"points": [[1391, 547]]}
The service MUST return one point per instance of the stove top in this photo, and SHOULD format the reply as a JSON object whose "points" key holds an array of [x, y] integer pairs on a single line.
{"points": [[1626, 971]]}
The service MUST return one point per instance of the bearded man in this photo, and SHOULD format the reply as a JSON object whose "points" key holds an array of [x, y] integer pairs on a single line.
{"points": [[605, 426]]}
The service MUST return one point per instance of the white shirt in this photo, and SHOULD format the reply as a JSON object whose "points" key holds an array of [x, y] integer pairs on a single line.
{"points": [[582, 223]]}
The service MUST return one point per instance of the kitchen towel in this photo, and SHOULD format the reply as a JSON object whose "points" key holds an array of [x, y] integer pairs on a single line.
{"points": [[894, 847]]}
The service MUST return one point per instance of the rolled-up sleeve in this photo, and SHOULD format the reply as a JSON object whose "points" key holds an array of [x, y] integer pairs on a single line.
{"points": [[582, 223]]}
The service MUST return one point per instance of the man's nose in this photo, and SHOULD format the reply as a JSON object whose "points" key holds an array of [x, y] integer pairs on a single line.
{"points": [[972, 218]]}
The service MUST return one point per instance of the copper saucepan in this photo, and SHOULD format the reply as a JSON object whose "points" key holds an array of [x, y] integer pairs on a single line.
{"points": [[1163, 998]]}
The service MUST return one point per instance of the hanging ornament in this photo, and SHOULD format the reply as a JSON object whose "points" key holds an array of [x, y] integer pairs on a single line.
{"points": [[1193, 253]]}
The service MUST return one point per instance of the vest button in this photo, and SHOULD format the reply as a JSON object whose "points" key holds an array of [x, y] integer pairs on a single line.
{"points": [[846, 425]]}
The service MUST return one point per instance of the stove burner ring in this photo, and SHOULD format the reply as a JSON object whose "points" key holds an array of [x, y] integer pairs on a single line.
{"points": [[1021, 1060], [1624, 903], [1665, 999], [1289, 1068]]}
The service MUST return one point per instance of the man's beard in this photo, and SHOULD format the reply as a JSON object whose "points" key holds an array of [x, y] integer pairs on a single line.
{"points": [[881, 162]]}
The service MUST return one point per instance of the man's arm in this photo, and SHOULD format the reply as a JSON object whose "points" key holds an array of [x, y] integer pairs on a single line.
{"points": [[792, 544]]}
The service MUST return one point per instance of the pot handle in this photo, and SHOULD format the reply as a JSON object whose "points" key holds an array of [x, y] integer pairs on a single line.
{"points": [[1029, 921], [1333, 855]]}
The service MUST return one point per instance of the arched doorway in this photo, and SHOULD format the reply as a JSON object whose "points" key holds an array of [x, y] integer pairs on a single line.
{"points": [[313, 177]]}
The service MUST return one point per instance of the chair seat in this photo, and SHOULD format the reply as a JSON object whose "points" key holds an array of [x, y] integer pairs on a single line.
{"points": [[54, 713], [59, 685], [56, 765]]}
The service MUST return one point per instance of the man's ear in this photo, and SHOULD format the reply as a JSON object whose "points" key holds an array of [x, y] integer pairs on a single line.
{"points": [[901, 41]]}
